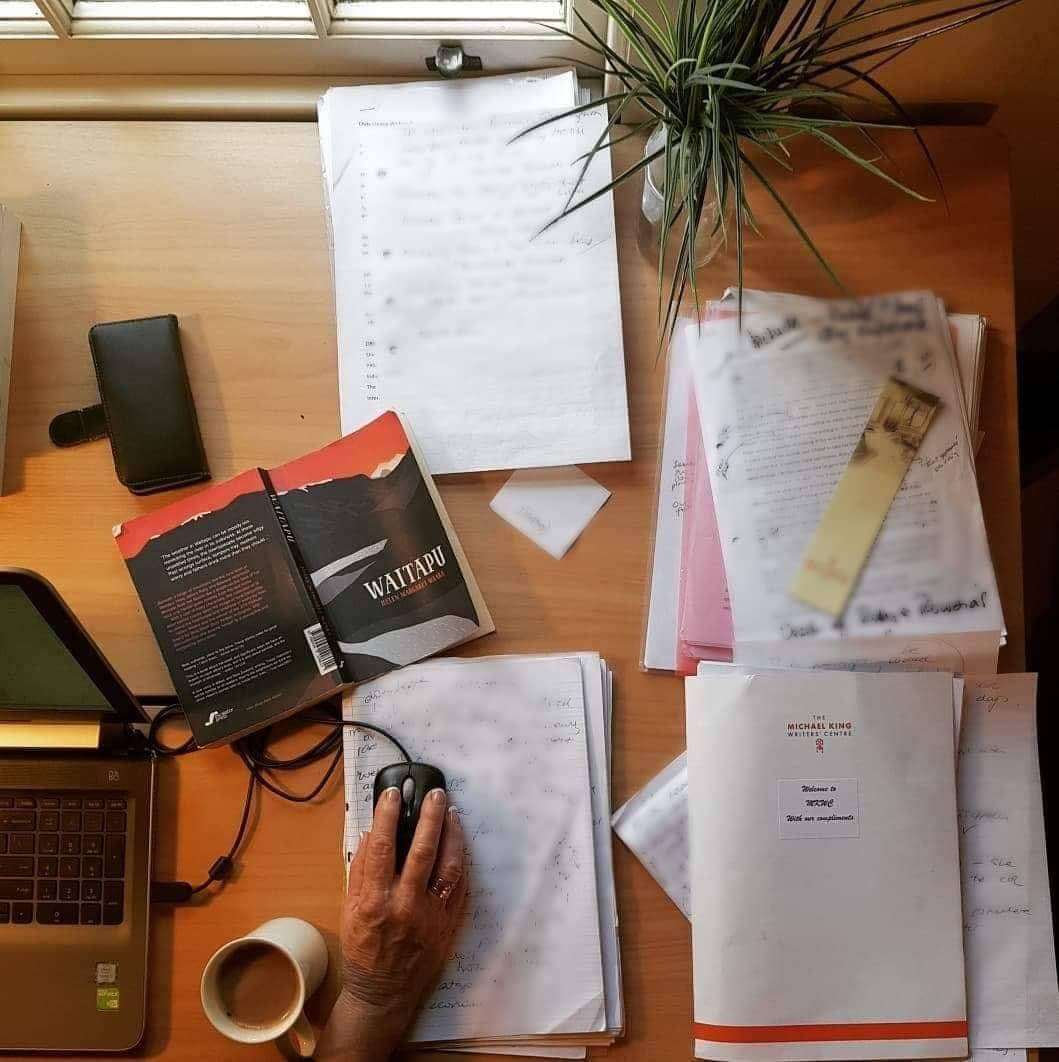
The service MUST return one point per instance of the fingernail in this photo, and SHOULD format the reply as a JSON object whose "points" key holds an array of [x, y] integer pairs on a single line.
{"points": [[454, 815], [438, 796], [392, 795]]}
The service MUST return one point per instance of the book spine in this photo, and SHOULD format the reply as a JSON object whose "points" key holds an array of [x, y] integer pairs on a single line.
{"points": [[303, 571]]}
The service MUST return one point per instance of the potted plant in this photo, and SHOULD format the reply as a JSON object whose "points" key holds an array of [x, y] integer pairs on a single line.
{"points": [[725, 86]]}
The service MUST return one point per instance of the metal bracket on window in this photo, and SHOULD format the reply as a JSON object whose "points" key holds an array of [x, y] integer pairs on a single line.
{"points": [[450, 61]]}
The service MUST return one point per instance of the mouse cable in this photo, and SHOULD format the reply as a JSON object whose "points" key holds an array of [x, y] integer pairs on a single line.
{"points": [[260, 762]]}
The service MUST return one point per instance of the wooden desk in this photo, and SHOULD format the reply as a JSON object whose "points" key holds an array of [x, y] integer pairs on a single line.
{"points": [[223, 225]]}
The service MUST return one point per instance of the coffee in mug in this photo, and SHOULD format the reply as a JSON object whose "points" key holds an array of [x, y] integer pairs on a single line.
{"points": [[257, 985], [254, 989]]}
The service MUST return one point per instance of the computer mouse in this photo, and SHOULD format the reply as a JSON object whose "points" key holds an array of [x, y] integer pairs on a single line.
{"points": [[414, 780]]}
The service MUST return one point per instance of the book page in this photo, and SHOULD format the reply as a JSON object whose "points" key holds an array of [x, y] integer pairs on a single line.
{"points": [[1013, 998], [509, 735], [500, 342], [782, 409]]}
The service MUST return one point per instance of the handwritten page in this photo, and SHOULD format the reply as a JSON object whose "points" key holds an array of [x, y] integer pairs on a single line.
{"points": [[501, 342], [654, 827], [550, 506], [783, 403], [510, 736], [1013, 998]]}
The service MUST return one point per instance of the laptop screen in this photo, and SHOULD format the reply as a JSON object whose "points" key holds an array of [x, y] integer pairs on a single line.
{"points": [[36, 669]]}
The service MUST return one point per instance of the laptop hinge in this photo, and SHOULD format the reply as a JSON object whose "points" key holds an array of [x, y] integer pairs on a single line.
{"points": [[49, 730]]}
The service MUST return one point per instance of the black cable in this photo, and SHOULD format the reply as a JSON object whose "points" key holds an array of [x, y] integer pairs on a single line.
{"points": [[259, 761]]}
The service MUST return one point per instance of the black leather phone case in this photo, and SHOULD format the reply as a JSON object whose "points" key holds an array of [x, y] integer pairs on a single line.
{"points": [[147, 407]]}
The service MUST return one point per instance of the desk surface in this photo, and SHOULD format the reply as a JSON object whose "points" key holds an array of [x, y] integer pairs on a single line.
{"points": [[222, 224]]}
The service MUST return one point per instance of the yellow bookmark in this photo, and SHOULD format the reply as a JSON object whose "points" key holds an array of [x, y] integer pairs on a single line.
{"points": [[855, 514]]}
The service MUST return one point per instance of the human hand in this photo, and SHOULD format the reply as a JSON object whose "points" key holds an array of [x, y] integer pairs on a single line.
{"points": [[397, 930]]}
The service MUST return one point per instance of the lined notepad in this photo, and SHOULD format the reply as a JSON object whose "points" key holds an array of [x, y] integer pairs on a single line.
{"points": [[523, 743]]}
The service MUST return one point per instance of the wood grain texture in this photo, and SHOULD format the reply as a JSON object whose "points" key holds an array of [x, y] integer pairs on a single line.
{"points": [[223, 225]]}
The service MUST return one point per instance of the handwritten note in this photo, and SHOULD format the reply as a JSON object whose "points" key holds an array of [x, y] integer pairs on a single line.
{"points": [[782, 403], [550, 506], [501, 342], [510, 736], [1013, 998]]}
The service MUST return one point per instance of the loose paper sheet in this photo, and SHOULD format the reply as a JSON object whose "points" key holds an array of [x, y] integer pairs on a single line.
{"points": [[653, 824], [550, 506], [509, 734], [500, 342], [1013, 999], [782, 408]]}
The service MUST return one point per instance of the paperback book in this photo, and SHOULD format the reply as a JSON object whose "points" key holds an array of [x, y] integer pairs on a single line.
{"points": [[276, 589]]}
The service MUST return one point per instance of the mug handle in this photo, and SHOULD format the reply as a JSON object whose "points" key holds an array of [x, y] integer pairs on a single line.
{"points": [[302, 1036]]}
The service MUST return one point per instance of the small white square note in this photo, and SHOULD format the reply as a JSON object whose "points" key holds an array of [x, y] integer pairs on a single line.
{"points": [[550, 506]]}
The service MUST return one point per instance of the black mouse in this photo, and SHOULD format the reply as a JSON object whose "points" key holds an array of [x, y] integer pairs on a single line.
{"points": [[414, 780]]}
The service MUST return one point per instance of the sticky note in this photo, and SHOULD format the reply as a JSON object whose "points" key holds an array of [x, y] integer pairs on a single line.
{"points": [[550, 506]]}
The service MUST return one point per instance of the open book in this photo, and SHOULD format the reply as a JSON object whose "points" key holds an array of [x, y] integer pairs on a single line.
{"points": [[273, 590]]}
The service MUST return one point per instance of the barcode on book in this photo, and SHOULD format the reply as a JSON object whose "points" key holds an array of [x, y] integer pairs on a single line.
{"points": [[321, 649]]}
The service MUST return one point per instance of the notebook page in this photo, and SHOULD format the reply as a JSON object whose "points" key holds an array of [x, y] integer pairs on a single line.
{"points": [[443, 277], [782, 410], [509, 735], [1013, 998]]}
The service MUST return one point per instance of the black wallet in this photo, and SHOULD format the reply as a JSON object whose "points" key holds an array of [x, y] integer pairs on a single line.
{"points": [[146, 409]]}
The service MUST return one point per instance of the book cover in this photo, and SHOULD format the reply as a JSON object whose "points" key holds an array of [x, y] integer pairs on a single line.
{"points": [[235, 622], [379, 550], [269, 592]]}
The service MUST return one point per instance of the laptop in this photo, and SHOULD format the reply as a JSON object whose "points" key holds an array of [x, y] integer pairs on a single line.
{"points": [[76, 806]]}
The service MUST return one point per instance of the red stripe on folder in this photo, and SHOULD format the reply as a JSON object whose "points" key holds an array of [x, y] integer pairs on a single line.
{"points": [[791, 1034]]}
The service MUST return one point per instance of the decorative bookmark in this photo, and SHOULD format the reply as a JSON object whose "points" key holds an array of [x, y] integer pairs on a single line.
{"points": [[841, 544]]}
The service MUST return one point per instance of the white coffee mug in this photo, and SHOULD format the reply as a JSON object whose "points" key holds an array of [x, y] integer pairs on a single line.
{"points": [[303, 945]]}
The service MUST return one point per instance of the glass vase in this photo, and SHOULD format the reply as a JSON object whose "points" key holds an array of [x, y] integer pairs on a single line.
{"points": [[709, 239]]}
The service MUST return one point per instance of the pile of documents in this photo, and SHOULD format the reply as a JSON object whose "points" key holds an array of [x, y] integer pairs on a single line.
{"points": [[820, 872], [497, 334], [524, 743], [778, 400]]}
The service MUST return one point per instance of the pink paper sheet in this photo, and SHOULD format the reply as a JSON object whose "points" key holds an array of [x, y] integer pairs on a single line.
{"points": [[705, 615]]}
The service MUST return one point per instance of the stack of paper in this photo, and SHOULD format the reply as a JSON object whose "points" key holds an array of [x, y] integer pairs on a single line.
{"points": [[689, 611], [1012, 993], [497, 336], [524, 745], [10, 230]]}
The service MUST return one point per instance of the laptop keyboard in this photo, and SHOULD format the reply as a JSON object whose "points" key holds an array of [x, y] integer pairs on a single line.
{"points": [[62, 858]]}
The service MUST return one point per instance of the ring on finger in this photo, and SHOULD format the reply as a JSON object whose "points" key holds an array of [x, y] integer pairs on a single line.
{"points": [[442, 888]]}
